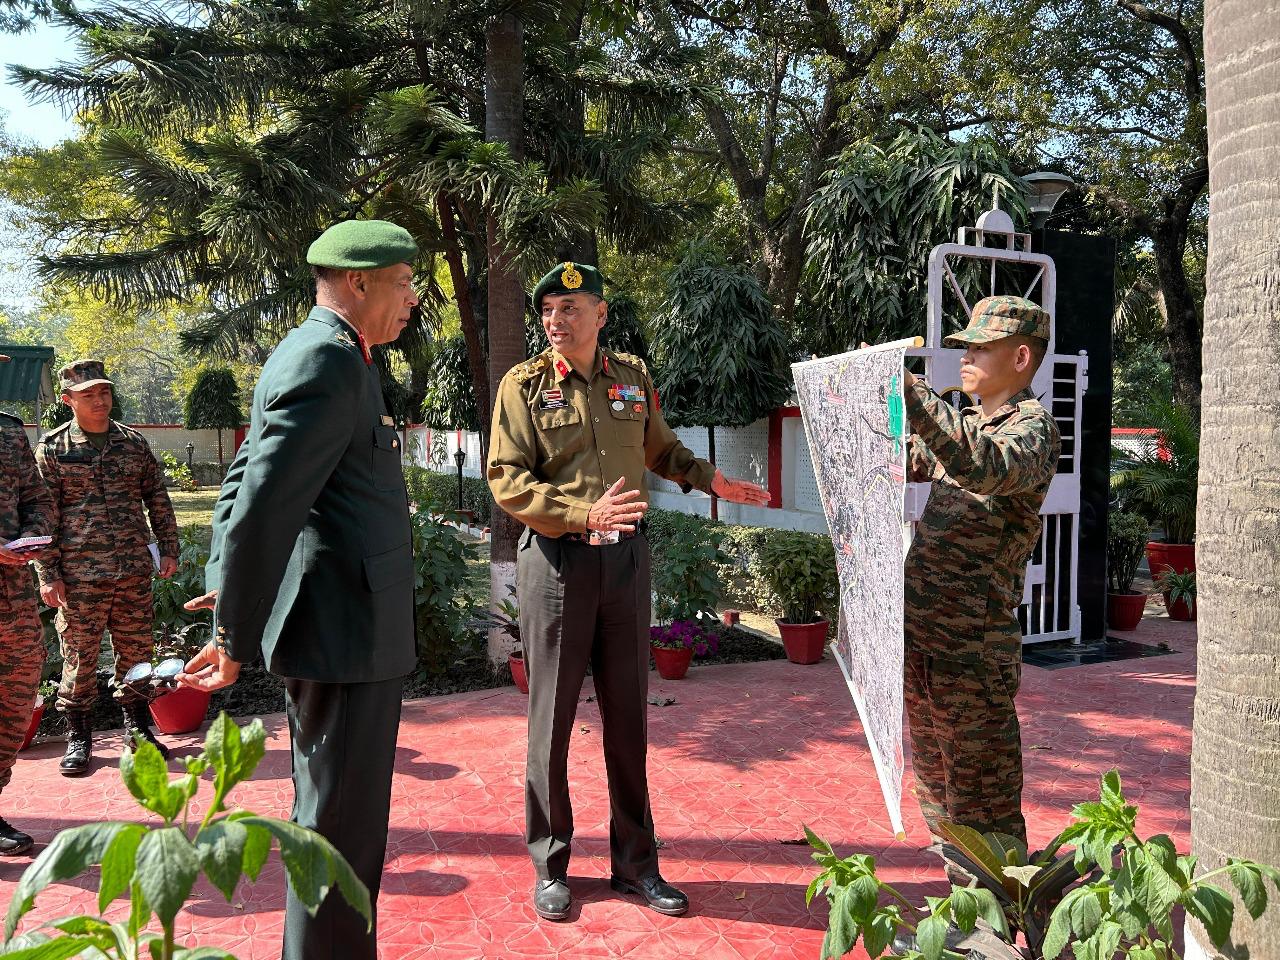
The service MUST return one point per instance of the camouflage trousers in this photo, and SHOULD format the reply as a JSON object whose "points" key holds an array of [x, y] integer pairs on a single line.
{"points": [[122, 606], [21, 659], [966, 745]]}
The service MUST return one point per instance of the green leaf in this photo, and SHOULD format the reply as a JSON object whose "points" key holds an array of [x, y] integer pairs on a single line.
{"points": [[146, 775], [975, 848], [1086, 914], [864, 893], [233, 751], [202, 953], [167, 869], [964, 908], [220, 849], [817, 842], [1024, 875], [68, 854], [842, 929], [118, 864], [1213, 909], [59, 949], [1248, 881], [1055, 939], [990, 910], [931, 937], [878, 933], [139, 910], [1112, 793], [313, 865]]}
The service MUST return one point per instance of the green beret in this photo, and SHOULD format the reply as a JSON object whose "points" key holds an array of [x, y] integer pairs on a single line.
{"points": [[568, 277], [362, 245], [995, 318]]}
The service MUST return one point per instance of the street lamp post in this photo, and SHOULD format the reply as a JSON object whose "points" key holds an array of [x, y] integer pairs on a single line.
{"points": [[1046, 190], [191, 451], [460, 457]]}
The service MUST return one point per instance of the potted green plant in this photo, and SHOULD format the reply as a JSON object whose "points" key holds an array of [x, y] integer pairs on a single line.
{"points": [[47, 689], [506, 617], [801, 571], [675, 644], [1126, 540], [1179, 591], [1159, 480]]}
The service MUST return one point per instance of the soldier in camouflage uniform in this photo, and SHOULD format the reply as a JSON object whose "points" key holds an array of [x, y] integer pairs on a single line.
{"points": [[990, 466], [26, 510], [98, 571]]}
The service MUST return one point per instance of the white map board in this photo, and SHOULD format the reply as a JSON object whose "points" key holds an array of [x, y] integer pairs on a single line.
{"points": [[854, 421]]}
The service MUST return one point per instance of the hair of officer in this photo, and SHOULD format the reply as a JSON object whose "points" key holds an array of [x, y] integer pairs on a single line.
{"points": [[1037, 347]]}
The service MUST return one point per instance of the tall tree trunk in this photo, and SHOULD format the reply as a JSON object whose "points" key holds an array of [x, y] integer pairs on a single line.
{"points": [[477, 362], [1235, 756], [504, 123], [1182, 319]]}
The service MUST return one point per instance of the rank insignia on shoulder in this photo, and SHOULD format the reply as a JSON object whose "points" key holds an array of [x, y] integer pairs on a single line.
{"points": [[553, 400], [386, 421], [344, 338]]}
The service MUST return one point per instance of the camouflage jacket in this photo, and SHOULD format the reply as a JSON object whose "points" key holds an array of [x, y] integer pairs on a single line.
{"points": [[99, 530], [26, 509], [965, 568]]}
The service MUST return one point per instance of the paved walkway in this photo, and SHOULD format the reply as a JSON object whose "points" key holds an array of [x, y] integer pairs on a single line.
{"points": [[745, 756]]}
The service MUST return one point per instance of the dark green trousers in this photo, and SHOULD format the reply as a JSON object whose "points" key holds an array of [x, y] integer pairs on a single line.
{"points": [[344, 748], [583, 605]]}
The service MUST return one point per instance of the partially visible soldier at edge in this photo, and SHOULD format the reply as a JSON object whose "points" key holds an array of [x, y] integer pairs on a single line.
{"points": [[990, 466], [573, 431], [97, 573], [26, 510]]}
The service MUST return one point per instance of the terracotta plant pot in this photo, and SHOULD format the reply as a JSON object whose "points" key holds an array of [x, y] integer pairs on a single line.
{"points": [[180, 711], [1124, 610], [36, 716], [1179, 610], [803, 641], [672, 664], [1179, 557], [516, 662]]}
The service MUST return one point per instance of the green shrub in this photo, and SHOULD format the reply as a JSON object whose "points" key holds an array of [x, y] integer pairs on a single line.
{"points": [[439, 492], [168, 596], [1127, 535], [442, 603], [688, 584], [177, 473], [802, 572]]}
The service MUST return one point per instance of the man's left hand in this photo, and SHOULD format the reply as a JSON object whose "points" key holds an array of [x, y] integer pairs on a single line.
{"points": [[168, 567], [210, 669], [739, 491]]}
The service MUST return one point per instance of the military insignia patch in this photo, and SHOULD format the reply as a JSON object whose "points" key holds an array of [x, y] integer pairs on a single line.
{"points": [[638, 408], [562, 368], [571, 278], [344, 338], [626, 391], [553, 400]]}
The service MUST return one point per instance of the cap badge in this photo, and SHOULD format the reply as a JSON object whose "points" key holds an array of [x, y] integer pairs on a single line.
{"points": [[571, 278]]}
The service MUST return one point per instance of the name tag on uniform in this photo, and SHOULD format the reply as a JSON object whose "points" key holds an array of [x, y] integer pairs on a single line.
{"points": [[553, 400]]}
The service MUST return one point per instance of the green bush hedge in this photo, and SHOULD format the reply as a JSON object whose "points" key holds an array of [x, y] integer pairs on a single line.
{"points": [[440, 490]]}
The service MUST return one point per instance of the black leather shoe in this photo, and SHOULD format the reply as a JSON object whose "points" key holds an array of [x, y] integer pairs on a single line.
{"points": [[660, 895], [75, 762], [13, 842], [551, 899]]}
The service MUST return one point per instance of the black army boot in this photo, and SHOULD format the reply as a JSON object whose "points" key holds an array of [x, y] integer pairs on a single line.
{"points": [[12, 840], [75, 762], [138, 724]]}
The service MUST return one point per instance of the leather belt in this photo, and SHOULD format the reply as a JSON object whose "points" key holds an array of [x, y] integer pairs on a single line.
{"points": [[598, 538]]}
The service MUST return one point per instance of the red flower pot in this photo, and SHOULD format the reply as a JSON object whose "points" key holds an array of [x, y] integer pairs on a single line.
{"points": [[1179, 610], [36, 716], [1179, 557], [1124, 610], [181, 710], [803, 641], [672, 664], [516, 662]]}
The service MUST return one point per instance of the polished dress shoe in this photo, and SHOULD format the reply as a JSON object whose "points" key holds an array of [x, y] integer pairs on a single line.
{"points": [[13, 841], [660, 895], [551, 898]]}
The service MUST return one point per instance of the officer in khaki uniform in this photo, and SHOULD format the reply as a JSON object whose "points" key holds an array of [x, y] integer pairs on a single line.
{"points": [[26, 510], [573, 432], [98, 572], [311, 564]]}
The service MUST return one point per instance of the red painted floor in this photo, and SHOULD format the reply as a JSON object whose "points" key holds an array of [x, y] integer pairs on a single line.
{"points": [[744, 757]]}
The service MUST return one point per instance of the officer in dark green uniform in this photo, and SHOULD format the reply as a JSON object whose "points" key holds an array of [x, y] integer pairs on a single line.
{"points": [[311, 563], [573, 432]]}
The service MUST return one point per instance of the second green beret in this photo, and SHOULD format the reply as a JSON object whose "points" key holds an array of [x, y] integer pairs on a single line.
{"points": [[568, 277]]}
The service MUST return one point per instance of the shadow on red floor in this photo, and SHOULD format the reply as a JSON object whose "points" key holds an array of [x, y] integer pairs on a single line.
{"points": [[745, 756]]}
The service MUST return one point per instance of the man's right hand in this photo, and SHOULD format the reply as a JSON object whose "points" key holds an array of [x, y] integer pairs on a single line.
{"points": [[205, 601], [210, 669], [54, 594], [616, 510]]}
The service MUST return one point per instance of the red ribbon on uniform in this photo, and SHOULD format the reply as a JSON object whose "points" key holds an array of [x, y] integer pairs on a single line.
{"points": [[364, 349]]}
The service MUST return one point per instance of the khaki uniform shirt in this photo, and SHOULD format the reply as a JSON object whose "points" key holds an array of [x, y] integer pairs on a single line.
{"points": [[560, 439], [26, 509], [965, 568], [99, 530]]}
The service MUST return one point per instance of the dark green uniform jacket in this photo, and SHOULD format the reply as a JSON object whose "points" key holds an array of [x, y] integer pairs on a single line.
{"points": [[311, 549]]}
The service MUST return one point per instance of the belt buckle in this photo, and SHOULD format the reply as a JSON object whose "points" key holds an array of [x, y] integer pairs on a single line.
{"points": [[599, 538]]}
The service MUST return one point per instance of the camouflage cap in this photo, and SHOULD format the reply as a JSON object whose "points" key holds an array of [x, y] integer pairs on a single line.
{"points": [[995, 318], [568, 277], [82, 374], [362, 245]]}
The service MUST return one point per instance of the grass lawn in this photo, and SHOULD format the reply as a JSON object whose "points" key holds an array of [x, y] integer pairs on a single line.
{"points": [[195, 506]]}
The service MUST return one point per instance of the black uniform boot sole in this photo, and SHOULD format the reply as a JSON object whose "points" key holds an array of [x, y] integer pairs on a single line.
{"points": [[622, 886], [73, 771], [18, 849]]}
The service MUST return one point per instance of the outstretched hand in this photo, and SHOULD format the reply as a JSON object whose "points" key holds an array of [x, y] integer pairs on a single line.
{"points": [[738, 491], [617, 510]]}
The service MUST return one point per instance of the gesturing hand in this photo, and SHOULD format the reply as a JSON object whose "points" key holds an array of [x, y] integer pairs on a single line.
{"points": [[738, 491], [617, 511], [210, 669], [206, 601]]}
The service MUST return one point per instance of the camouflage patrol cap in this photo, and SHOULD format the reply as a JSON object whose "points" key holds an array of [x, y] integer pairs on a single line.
{"points": [[568, 277], [995, 318], [82, 374]]}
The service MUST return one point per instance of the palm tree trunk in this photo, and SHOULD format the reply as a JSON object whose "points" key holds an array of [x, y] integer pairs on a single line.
{"points": [[1235, 758], [504, 123]]}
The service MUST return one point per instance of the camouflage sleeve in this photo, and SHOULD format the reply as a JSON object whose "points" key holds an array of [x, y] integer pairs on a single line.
{"points": [[920, 461], [1017, 458], [49, 565], [513, 446], [35, 506], [666, 456], [159, 507]]}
